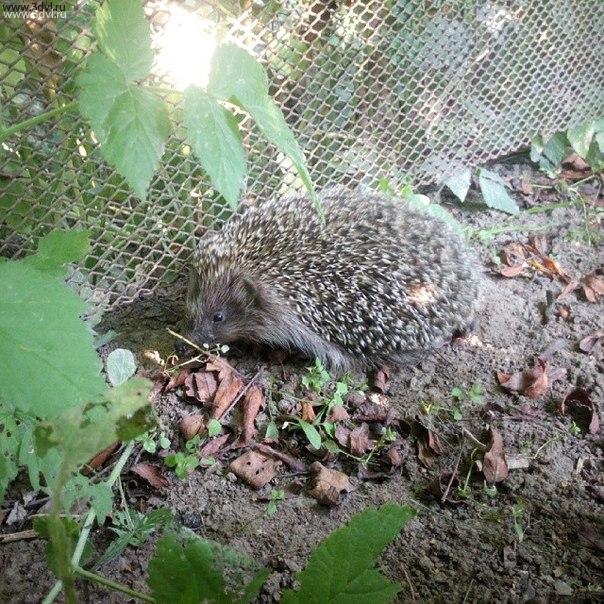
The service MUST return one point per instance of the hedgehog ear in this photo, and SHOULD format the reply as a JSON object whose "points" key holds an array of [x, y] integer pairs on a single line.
{"points": [[255, 292]]}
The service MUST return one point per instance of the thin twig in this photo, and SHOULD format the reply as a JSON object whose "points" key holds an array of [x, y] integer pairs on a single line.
{"points": [[20, 536], [453, 475]]}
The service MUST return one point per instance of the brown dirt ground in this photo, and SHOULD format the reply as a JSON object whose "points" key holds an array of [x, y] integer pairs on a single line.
{"points": [[453, 553]]}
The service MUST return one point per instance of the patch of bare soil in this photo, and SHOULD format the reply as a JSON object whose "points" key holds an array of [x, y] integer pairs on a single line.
{"points": [[531, 533]]}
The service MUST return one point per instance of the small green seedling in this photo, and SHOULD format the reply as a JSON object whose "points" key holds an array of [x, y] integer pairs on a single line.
{"points": [[490, 490], [473, 394], [151, 440], [518, 511], [214, 428], [277, 496], [574, 429], [183, 464], [316, 377]]}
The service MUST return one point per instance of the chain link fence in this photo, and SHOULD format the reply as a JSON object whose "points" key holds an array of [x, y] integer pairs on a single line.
{"points": [[403, 90]]}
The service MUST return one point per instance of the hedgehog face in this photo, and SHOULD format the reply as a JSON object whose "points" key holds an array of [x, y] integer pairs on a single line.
{"points": [[224, 309]]}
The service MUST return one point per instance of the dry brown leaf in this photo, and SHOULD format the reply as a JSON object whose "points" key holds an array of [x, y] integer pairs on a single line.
{"points": [[343, 435], [513, 254], [225, 394], [393, 456], [326, 485], [214, 445], [360, 442], [582, 409], [252, 403], [428, 447], [494, 465], [190, 425], [100, 458], [539, 242], [338, 414], [571, 287], [255, 468], [221, 366], [511, 271], [381, 379], [593, 286], [588, 342], [308, 412], [295, 464], [152, 474], [177, 380], [531, 382]]}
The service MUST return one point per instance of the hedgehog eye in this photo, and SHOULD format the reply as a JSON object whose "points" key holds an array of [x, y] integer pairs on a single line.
{"points": [[218, 317]]}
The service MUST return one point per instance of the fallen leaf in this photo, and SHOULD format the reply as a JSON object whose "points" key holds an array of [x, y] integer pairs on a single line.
{"points": [[152, 474], [576, 162], [308, 412], [539, 242], [511, 271], [513, 254], [531, 382], [100, 458], [214, 445], [225, 394], [190, 425], [221, 366], [593, 286], [571, 287], [392, 456], [327, 485], [360, 441], [428, 447], [343, 435], [494, 465], [582, 409], [252, 403], [201, 386], [18, 513], [177, 380], [255, 468], [295, 464], [381, 379], [588, 342], [338, 414]]}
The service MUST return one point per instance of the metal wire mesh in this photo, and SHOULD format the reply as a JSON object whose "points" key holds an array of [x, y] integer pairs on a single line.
{"points": [[406, 90]]}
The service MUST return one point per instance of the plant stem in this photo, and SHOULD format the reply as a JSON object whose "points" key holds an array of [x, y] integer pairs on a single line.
{"points": [[112, 584], [38, 119], [79, 549]]}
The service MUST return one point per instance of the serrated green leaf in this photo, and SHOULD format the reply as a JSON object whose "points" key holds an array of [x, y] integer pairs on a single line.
{"points": [[120, 366], [216, 142], [339, 570], [48, 362], [494, 192], [554, 151], [313, 436], [580, 137], [237, 76], [124, 35], [81, 433], [100, 83], [137, 128], [58, 248], [182, 571], [459, 183]]}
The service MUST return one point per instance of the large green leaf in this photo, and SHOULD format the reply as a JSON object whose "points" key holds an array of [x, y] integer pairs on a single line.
{"points": [[494, 192], [580, 137], [137, 128], [459, 183], [47, 358], [339, 570], [81, 432], [216, 142], [236, 76], [124, 35], [58, 248], [101, 82]]}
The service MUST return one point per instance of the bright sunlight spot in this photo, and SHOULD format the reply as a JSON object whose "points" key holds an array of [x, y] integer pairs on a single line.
{"points": [[186, 44]]}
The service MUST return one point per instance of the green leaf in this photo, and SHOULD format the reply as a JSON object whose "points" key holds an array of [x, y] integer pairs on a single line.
{"points": [[47, 359], [552, 154], [12, 67], [58, 248], [214, 427], [81, 433], [340, 570], [423, 204], [100, 83], [580, 137], [124, 35], [314, 438], [494, 192], [182, 571], [137, 128], [120, 366], [237, 76], [459, 183], [272, 431], [216, 142]]}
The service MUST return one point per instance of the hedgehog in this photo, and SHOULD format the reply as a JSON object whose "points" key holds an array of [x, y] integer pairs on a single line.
{"points": [[373, 281]]}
